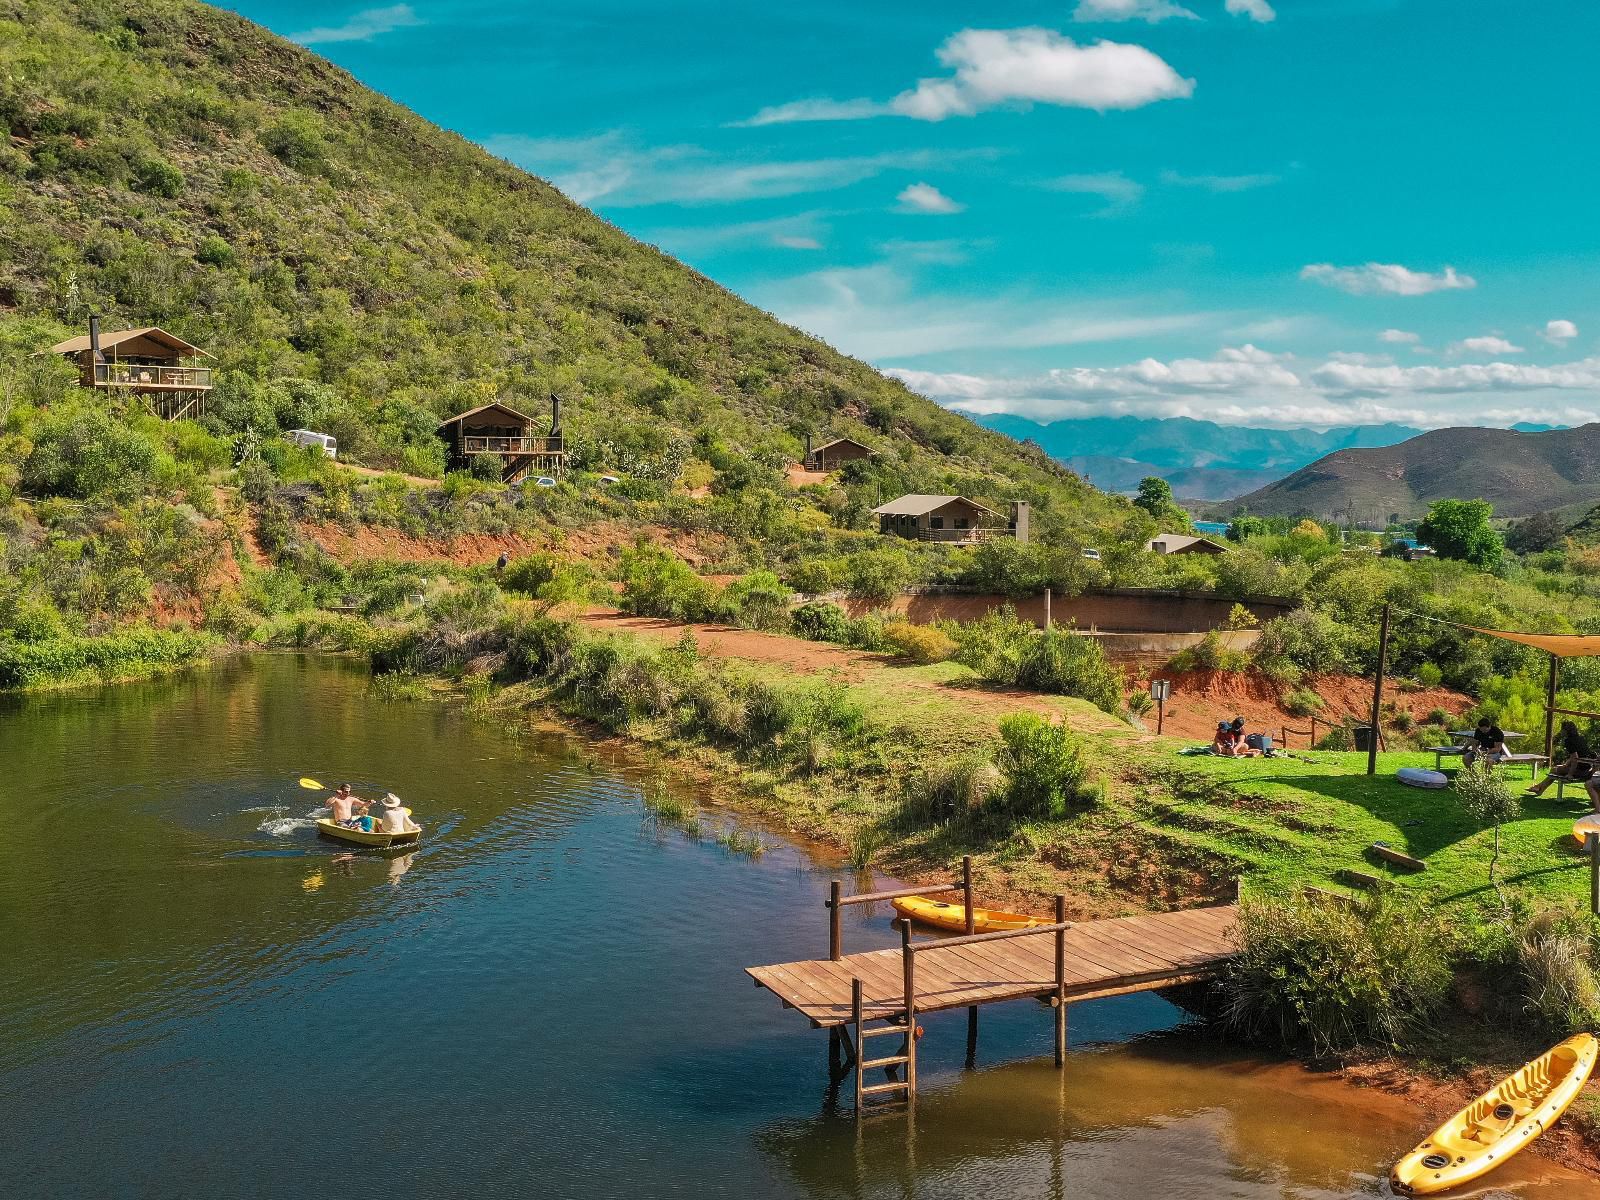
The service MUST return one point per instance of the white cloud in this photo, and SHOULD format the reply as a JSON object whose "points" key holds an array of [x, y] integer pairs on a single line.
{"points": [[1340, 390], [1218, 183], [1131, 10], [792, 242], [925, 198], [995, 67], [1249, 353], [608, 169], [1256, 10], [1118, 191], [1391, 278], [1488, 344], [362, 27], [1399, 337], [1559, 333], [802, 231]]}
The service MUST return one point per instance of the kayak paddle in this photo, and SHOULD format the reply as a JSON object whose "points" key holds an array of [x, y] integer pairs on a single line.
{"points": [[311, 785]]}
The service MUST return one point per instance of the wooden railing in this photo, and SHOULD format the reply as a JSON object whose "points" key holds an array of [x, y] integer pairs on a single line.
{"points": [[115, 374], [513, 445], [977, 533]]}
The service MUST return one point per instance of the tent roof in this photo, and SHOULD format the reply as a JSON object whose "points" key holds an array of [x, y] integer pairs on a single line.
{"points": [[472, 412], [843, 441], [1562, 645], [918, 506], [116, 337]]}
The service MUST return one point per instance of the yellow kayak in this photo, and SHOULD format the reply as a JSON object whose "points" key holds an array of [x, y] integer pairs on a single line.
{"points": [[954, 916], [1498, 1123], [329, 828]]}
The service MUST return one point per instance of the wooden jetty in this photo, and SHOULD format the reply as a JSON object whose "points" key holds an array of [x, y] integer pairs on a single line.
{"points": [[880, 992]]}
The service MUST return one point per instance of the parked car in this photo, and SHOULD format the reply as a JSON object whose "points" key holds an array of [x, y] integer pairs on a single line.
{"points": [[307, 437], [1092, 553], [544, 481]]}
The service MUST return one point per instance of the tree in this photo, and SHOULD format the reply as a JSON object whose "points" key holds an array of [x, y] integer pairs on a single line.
{"points": [[1542, 531], [1460, 529], [1155, 497], [1490, 800]]}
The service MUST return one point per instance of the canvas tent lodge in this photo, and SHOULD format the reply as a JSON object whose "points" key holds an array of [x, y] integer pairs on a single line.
{"points": [[501, 432], [832, 455], [1183, 543], [148, 362], [949, 519]]}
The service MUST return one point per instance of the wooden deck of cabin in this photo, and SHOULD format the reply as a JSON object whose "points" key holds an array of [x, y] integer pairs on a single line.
{"points": [[1102, 958]]}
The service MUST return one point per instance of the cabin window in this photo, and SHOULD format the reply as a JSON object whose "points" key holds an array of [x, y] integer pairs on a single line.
{"points": [[961, 522], [935, 522]]}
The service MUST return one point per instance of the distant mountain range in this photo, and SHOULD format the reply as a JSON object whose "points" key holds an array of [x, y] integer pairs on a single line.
{"points": [[1518, 471], [1200, 459]]}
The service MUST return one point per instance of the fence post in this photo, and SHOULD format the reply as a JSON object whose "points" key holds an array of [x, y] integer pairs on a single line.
{"points": [[908, 961], [1061, 981], [966, 892], [835, 923], [1047, 608]]}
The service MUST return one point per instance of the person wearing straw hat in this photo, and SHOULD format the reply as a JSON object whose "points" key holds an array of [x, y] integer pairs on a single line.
{"points": [[396, 817]]}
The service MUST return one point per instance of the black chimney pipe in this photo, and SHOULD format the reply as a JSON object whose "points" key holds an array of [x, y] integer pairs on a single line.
{"points": [[94, 339], [555, 415]]}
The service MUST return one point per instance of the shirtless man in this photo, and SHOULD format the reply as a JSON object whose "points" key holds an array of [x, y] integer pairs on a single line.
{"points": [[347, 810]]}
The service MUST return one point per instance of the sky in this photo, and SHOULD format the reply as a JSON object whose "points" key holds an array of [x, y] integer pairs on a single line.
{"points": [[1260, 212]]}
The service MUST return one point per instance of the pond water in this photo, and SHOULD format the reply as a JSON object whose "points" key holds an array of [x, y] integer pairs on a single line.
{"points": [[200, 998]]}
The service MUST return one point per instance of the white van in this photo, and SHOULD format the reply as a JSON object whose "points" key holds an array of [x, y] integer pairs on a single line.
{"points": [[306, 437]]}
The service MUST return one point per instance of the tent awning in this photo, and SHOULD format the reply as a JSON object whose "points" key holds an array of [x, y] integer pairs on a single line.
{"points": [[1562, 645]]}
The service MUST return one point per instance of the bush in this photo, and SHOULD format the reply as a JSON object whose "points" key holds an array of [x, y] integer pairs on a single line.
{"points": [[157, 178], [1308, 639], [949, 788], [919, 643], [1556, 954], [81, 451], [821, 622], [1302, 702], [657, 583], [1044, 768], [68, 661], [214, 252], [1140, 702], [1210, 653], [757, 601], [1429, 675], [1060, 661], [1331, 978], [1487, 797]]}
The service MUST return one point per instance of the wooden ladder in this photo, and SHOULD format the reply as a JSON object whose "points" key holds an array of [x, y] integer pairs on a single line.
{"points": [[903, 1090]]}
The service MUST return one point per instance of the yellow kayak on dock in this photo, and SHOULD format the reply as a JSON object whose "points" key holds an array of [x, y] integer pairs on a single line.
{"points": [[330, 828], [954, 916], [1498, 1123]]}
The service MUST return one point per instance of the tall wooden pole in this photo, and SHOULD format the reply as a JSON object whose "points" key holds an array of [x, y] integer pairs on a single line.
{"points": [[1550, 711], [1591, 843], [835, 922], [1377, 693], [908, 961], [1061, 982]]}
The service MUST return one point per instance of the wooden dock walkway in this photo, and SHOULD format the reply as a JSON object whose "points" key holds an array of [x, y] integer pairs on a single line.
{"points": [[879, 993], [1103, 958]]}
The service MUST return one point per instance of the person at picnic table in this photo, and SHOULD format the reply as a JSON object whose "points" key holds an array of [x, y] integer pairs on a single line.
{"points": [[1576, 765], [1488, 741], [349, 811]]}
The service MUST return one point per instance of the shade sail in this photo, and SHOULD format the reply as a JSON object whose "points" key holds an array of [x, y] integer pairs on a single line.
{"points": [[1562, 645]]}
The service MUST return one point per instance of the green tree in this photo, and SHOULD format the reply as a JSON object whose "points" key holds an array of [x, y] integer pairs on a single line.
{"points": [[1460, 529], [1542, 531], [1155, 497]]}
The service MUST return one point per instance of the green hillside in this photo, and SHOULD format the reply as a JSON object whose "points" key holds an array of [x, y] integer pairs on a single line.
{"points": [[350, 264]]}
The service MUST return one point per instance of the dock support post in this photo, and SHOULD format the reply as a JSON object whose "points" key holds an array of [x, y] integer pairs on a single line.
{"points": [[1591, 843], [972, 927], [1061, 981], [835, 922], [908, 960], [972, 1038], [859, 1047]]}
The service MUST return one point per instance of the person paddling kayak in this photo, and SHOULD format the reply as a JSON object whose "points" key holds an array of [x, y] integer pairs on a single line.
{"points": [[349, 811]]}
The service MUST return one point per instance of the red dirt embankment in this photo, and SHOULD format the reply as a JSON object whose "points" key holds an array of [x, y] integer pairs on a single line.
{"points": [[1202, 698]]}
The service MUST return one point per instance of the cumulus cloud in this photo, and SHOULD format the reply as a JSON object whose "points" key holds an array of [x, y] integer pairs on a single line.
{"points": [[995, 67], [1256, 10], [1559, 333], [1488, 344], [1375, 278], [1241, 387], [608, 169], [362, 27], [1131, 10], [1118, 191], [1218, 183], [1399, 337], [925, 198]]}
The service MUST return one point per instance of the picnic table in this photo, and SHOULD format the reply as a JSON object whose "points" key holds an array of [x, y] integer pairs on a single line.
{"points": [[1463, 736]]}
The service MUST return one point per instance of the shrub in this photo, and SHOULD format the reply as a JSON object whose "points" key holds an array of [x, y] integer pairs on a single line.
{"points": [[1556, 954], [757, 601], [1140, 702], [657, 583], [81, 451], [1302, 702], [1487, 797], [214, 252], [821, 622], [948, 788], [1210, 653], [920, 643], [877, 574], [295, 140], [1331, 978], [1044, 768], [157, 177], [529, 573], [1061, 661], [1307, 638], [67, 661], [1429, 675], [1240, 617]]}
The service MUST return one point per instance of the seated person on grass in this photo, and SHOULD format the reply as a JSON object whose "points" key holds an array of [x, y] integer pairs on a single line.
{"points": [[1488, 742], [1577, 762]]}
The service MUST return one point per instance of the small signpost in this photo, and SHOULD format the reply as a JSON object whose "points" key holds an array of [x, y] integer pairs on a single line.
{"points": [[1160, 689]]}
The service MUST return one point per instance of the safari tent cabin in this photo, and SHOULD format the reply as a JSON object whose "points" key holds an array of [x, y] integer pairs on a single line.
{"points": [[1183, 543], [151, 363], [939, 519], [500, 431], [830, 456]]}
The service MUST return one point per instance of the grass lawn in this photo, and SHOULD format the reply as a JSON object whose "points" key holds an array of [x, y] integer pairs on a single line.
{"points": [[1295, 821]]}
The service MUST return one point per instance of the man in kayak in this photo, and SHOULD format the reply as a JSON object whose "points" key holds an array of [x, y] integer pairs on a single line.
{"points": [[396, 818], [349, 811]]}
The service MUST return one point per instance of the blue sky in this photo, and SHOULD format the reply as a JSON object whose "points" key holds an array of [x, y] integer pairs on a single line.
{"points": [[1257, 211]]}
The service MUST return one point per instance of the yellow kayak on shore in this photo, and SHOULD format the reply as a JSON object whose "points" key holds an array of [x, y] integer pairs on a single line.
{"points": [[954, 916], [1498, 1123], [330, 828]]}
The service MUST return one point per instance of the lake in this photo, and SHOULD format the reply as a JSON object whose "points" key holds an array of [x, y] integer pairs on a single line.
{"points": [[200, 998]]}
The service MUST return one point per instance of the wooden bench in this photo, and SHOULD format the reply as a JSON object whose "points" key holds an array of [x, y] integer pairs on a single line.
{"points": [[1533, 761]]}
